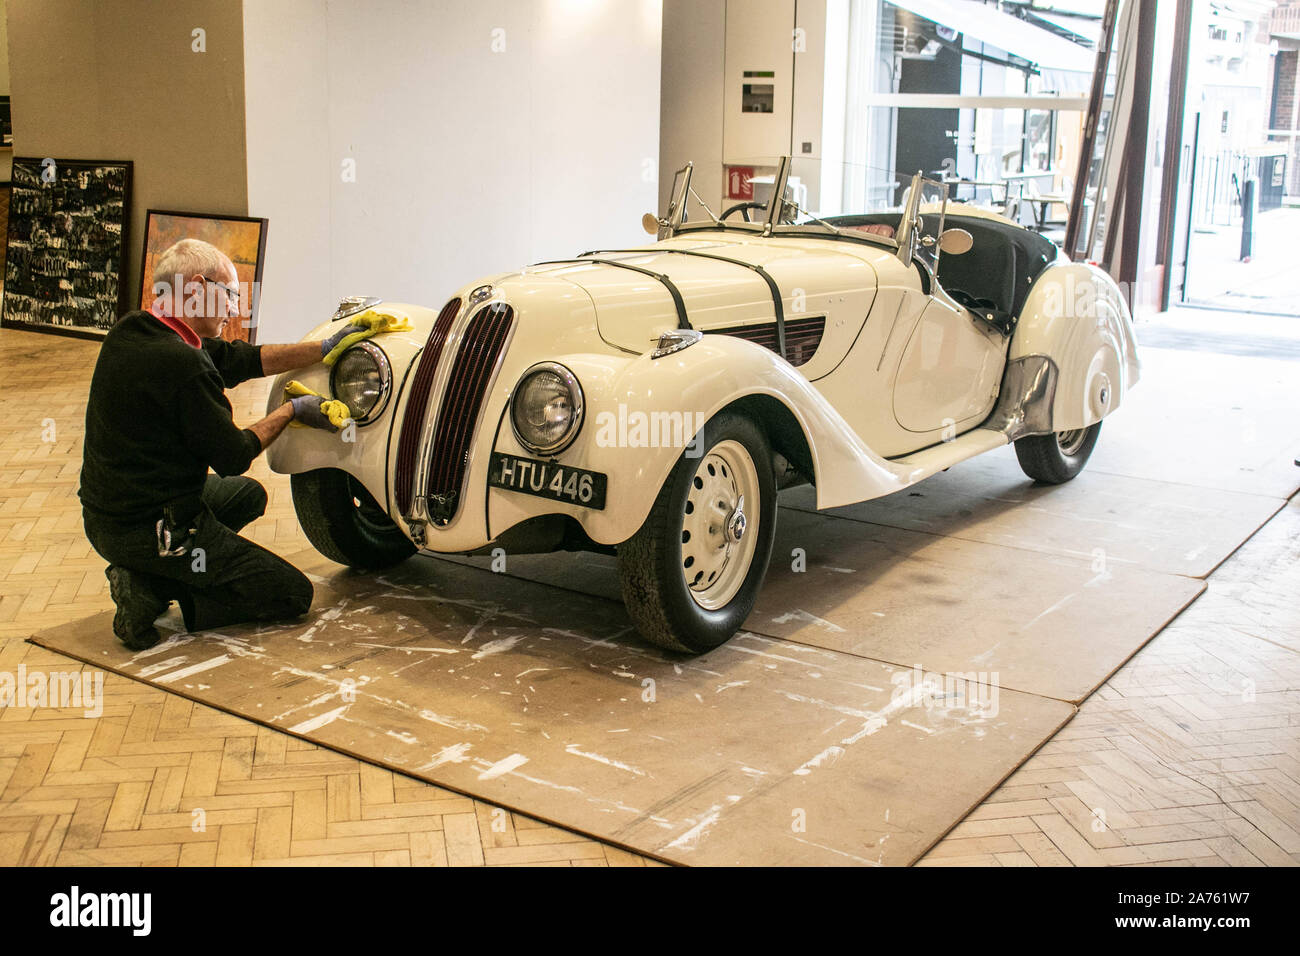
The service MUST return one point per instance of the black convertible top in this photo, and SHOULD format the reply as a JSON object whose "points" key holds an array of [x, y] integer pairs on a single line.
{"points": [[999, 268]]}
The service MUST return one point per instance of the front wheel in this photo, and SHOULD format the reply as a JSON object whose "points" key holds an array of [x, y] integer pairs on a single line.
{"points": [[343, 521], [691, 574], [1055, 459]]}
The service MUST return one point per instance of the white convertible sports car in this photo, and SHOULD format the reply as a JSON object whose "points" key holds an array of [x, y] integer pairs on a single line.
{"points": [[651, 402]]}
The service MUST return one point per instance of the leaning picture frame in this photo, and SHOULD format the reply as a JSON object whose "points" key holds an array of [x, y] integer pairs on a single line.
{"points": [[242, 238], [67, 233]]}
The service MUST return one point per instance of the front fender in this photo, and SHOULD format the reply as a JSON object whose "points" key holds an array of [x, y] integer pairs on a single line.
{"points": [[643, 413], [359, 450]]}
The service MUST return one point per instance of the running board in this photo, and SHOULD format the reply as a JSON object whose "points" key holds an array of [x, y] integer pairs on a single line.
{"points": [[936, 458]]}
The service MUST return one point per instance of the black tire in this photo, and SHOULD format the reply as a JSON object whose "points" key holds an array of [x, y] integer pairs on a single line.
{"points": [[343, 521], [650, 563], [1055, 459]]}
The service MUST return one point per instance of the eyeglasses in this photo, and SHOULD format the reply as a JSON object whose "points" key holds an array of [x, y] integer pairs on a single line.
{"points": [[232, 295]]}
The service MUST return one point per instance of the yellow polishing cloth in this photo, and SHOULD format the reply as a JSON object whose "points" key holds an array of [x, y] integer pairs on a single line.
{"points": [[375, 321], [337, 412], [295, 388]]}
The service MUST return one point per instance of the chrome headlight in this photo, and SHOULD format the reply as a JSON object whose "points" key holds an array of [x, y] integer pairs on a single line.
{"points": [[363, 379], [546, 408]]}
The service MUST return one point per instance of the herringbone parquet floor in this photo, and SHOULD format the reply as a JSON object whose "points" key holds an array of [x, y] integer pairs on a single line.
{"points": [[1188, 755]]}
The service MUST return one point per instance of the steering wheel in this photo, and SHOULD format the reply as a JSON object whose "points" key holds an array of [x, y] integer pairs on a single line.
{"points": [[743, 208]]}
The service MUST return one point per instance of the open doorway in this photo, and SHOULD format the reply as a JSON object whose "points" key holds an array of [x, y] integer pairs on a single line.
{"points": [[1244, 198]]}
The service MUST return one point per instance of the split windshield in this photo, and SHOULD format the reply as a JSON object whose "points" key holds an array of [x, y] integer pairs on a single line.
{"points": [[840, 200]]}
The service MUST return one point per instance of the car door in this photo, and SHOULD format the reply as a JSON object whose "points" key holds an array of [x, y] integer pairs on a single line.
{"points": [[949, 372]]}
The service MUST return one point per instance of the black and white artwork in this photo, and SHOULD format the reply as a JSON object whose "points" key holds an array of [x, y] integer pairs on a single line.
{"points": [[67, 231]]}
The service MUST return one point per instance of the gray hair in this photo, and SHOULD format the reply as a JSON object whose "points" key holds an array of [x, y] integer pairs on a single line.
{"points": [[187, 258]]}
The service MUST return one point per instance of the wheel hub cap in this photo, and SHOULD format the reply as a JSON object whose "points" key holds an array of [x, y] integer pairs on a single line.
{"points": [[717, 539], [736, 523]]}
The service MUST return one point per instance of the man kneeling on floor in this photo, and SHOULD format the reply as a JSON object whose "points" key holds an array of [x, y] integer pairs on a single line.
{"points": [[157, 418]]}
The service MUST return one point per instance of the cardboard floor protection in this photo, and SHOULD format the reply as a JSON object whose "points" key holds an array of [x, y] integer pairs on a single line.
{"points": [[544, 701], [1115, 519], [904, 657], [940, 602]]}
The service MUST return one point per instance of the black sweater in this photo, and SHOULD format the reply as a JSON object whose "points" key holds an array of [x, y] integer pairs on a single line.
{"points": [[158, 418]]}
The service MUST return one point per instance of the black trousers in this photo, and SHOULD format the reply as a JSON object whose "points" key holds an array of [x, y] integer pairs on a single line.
{"points": [[221, 578]]}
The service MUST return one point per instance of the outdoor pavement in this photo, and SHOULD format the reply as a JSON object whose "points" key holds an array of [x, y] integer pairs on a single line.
{"points": [[1269, 282], [1227, 332]]}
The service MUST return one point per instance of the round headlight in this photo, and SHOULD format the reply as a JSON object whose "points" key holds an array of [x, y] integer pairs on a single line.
{"points": [[362, 379], [546, 408]]}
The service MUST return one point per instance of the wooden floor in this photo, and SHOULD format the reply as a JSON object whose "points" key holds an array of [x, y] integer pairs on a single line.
{"points": [[1188, 755]]}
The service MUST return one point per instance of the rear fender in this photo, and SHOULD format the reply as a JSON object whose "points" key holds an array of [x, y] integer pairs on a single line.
{"points": [[1076, 316]]}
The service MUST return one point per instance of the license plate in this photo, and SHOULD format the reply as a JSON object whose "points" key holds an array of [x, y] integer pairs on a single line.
{"points": [[546, 479]]}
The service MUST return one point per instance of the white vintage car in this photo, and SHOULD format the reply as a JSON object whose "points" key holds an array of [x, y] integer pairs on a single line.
{"points": [[651, 402]]}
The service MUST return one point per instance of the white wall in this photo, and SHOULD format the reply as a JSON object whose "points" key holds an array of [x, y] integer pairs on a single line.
{"points": [[468, 160], [289, 168], [694, 42], [759, 38]]}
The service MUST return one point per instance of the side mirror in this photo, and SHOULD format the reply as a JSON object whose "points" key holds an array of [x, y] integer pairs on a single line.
{"points": [[650, 223], [954, 242]]}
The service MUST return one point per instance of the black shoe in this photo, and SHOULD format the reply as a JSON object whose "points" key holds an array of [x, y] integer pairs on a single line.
{"points": [[137, 609]]}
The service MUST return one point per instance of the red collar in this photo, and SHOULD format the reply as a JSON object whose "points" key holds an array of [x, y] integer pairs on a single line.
{"points": [[176, 325]]}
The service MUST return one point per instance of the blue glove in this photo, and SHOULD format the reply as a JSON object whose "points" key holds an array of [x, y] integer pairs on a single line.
{"points": [[328, 345], [307, 410]]}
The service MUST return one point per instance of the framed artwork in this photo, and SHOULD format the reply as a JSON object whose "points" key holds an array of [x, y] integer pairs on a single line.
{"points": [[4, 220], [6, 123], [67, 229], [242, 238]]}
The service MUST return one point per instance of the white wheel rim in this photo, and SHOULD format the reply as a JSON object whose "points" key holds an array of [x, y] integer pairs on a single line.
{"points": [[720, 525], [1071, 441]]}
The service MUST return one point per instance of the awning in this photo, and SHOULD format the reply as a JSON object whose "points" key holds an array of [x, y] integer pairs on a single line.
{"points": [[1090, 30], [986, 23]]}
